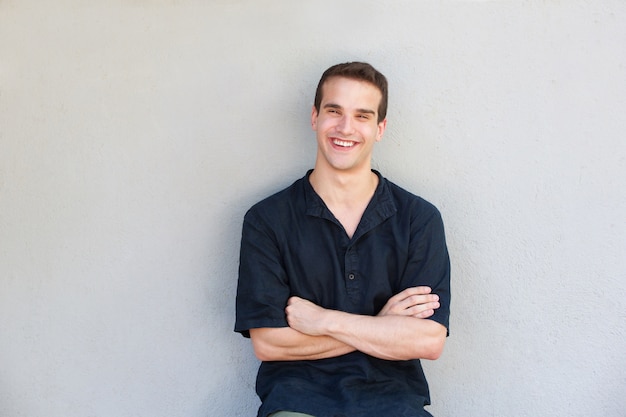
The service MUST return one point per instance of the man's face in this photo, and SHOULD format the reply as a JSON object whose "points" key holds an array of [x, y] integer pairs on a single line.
{"points": [[347, 124]]}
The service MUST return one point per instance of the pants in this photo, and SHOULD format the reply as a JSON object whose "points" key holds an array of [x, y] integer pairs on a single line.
{"points": [[292, 414]]}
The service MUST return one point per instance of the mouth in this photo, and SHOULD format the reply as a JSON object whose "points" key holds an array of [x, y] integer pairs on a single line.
{"points": [[342, 143]]}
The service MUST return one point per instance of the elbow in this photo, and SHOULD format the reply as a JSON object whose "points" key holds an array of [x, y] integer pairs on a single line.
{"points": [[262, 351], [260, 355], [271, 344], [432, 345], [265, 356], [433, 355], [428, 347], [434, 349], [266, 348]]}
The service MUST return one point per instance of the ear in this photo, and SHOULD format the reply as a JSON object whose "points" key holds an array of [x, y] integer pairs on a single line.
{"points": [[314, 115], [381, 129]]}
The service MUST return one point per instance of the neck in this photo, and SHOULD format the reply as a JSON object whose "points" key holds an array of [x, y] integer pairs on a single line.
{"points": [[344, 188]]}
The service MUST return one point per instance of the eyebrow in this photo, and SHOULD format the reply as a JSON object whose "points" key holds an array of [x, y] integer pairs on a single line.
{"points": [[337, 106]]}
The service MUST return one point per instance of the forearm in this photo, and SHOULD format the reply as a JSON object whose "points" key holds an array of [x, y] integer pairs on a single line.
{"points": [[287, 344], [400, 331], [386, 337]]}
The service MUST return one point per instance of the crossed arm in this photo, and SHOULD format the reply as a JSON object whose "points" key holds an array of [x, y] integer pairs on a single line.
{"points": [[400, 331]]}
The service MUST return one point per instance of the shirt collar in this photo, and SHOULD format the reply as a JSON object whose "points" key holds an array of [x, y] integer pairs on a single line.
{"points": [[380, 208]]}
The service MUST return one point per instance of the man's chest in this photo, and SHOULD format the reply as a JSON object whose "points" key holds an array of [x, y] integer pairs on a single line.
{"points": [[324, 266]]}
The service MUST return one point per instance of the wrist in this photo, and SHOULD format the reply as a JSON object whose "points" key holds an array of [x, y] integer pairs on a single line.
{"points": [[332, 323]]}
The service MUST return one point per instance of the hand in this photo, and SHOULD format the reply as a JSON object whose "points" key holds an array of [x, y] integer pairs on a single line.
{"points": [[304, 316], [414, 302]]}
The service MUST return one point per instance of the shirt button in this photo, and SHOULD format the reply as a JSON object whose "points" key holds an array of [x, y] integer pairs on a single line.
{"points": [[351, 276]]}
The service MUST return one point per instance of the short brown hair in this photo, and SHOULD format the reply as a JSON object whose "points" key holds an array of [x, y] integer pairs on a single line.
{"points": [[360, 71]]}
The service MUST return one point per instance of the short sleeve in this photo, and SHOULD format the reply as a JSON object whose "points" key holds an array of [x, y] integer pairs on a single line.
{"points": [[263, 287], [429, 261]]}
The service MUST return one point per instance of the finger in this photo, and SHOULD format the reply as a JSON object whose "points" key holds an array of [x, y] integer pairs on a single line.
{"points": [[409, 292], [420, 299], [424, 314], [409, 297], [422, 308], [416, 290], [413, 303], [293, 299]]}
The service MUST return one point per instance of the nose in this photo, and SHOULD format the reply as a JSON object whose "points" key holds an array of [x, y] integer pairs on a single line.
{"points": [[345, 126]]}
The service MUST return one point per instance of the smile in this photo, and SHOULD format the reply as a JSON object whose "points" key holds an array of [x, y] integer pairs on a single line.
{"points": [[343, 143]]}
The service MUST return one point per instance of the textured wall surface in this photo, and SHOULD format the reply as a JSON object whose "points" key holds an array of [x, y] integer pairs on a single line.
{"points": [[134, 135]]}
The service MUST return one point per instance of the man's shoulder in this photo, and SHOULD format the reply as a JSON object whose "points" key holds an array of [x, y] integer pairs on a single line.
{"points": [[407, 200], [276, 204]]}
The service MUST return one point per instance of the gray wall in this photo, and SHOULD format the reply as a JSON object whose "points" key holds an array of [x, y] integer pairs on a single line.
{"points": [[134, 135]]}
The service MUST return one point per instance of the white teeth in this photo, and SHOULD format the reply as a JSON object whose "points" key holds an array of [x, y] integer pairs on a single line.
{"points": [[344, 143]]}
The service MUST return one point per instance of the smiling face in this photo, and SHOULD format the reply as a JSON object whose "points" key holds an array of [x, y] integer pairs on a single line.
{"points": [[347, 125]]}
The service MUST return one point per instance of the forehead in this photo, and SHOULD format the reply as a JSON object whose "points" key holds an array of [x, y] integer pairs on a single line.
{"points": [[348, 92]]}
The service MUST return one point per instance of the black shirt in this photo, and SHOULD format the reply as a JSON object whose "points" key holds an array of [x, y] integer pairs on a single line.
{"points": [[293, 245]]}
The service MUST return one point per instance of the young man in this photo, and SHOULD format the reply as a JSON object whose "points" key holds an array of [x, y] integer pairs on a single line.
{"points": [[344, 277]]}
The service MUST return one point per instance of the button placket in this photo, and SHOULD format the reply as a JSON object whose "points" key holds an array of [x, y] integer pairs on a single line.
{"points": [[351, 274]]}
